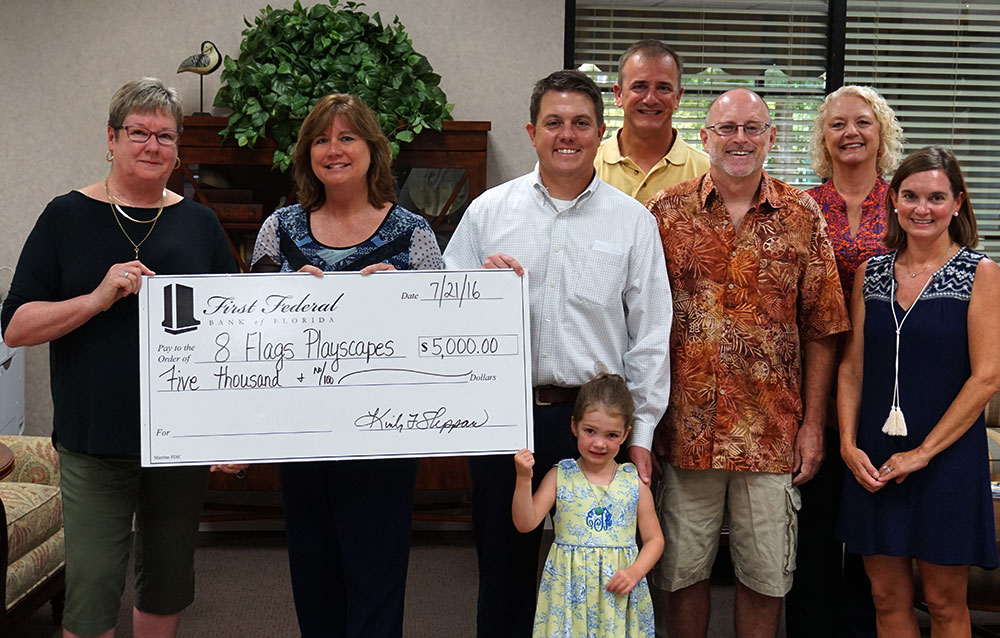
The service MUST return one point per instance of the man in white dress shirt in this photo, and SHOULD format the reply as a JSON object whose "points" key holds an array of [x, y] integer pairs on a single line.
{"points": [[599, 302]]}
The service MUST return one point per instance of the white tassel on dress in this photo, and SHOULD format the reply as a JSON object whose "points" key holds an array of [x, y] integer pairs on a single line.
{"points": [[895, 424]]}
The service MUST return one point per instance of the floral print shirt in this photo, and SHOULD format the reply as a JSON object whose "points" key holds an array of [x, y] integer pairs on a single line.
{"points": [[853, 250], [745, 300]]}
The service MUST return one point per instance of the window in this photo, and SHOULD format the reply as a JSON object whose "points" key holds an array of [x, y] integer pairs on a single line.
{"points": [[775, 48], [937, 63]]}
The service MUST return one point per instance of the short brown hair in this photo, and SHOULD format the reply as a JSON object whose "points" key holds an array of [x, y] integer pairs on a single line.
{"points": [[651, 49], [607, 391], [145, 95], [962, 228], [562, 81], [361, 120]]}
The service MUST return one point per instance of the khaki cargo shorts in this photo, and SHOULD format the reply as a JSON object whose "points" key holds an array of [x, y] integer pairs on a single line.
{"points": [[761, 512]]}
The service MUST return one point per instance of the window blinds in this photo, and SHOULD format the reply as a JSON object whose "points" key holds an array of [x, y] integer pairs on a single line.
{"points": [[775, 48], [936, 62], [938, 65]]}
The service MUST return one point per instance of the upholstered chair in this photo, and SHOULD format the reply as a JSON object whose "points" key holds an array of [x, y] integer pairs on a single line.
{"points": [[32, 550]]}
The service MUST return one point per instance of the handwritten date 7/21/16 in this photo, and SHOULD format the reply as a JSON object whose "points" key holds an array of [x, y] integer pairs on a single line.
{"points": [[451, 289]]}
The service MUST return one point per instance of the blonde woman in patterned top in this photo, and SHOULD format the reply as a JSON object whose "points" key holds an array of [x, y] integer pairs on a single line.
{"points": [[856, 144]]}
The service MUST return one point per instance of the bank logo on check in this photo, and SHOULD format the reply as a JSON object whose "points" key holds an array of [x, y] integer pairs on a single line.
{"points": [[178, 309]]}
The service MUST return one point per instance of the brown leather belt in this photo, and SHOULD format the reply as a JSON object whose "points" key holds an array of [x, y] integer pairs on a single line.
{"points": [[554, 394]]}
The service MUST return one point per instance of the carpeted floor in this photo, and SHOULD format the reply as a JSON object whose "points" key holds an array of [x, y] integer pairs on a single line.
{"points": [[243, 591]]}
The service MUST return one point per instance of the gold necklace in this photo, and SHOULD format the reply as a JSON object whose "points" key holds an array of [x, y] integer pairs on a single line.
{"points": [[117, 204], [913, 275], [119, 222]]}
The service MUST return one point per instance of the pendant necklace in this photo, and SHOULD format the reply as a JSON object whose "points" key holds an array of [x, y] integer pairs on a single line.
{"points": [[115, 209], [913, 275], [598, 518]]}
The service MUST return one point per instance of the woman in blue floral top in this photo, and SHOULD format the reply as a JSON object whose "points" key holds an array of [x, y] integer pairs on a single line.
{"points": [[347, 522]]}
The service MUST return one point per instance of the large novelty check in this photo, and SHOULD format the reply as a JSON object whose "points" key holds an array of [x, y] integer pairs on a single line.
{"points": [[292, 367]]}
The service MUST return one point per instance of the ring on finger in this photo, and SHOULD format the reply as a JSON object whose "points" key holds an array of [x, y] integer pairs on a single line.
{"points": [[126, 275], [886, 468]]}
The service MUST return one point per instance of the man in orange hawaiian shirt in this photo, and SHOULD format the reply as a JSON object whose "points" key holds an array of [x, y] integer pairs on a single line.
{"points": [[757, 303]]}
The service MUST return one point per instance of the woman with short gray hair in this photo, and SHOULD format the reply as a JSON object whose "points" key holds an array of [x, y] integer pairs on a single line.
{"points": [[75, 288]]}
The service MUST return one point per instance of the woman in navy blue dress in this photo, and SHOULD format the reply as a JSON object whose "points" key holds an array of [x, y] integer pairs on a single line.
{"points": [[920, 366]]}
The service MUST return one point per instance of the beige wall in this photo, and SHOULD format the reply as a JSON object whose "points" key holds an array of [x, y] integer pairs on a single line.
{"points": [[63, 59]]}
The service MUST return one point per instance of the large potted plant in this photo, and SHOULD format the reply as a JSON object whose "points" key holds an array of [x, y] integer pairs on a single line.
{"points": [[289, 58]]}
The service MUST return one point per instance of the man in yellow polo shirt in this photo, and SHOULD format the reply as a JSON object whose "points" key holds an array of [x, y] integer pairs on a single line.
{"points": [[646, 155]]}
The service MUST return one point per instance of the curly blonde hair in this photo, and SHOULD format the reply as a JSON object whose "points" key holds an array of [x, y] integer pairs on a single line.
{"points": [[890, 132]]}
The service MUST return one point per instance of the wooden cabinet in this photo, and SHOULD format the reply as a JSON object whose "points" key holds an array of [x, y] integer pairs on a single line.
{"points": [[437, 174]]}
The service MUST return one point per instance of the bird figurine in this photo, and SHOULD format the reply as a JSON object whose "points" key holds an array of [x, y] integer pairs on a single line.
{"points": [[202, 63]]}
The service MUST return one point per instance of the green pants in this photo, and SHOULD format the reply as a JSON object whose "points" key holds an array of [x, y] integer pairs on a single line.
{"points": [[100, 498]]}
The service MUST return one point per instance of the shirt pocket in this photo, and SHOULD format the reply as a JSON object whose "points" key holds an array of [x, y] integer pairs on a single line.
{"points": [[603, 274], [778, 273]]}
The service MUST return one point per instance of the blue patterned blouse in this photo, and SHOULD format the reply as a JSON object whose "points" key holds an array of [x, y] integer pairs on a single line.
{"points": [[403, 239]]}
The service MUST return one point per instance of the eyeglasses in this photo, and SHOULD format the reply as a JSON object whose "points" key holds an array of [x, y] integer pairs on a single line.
{"points": [[139, 135], [752, 129]]}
